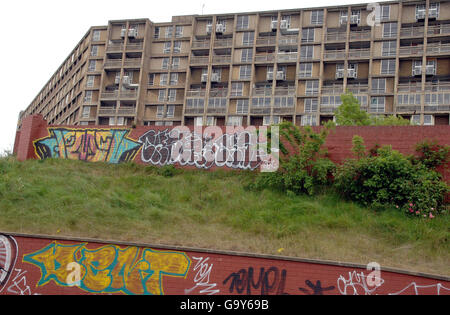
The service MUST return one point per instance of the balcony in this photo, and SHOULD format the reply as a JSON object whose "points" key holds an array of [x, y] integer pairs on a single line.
{"points": [[126, 111], [287, 56], [334, 54], [409, 87], [334, 89], [413, 31], [218, 92], [194, 110], [360, 35], [113, 47], [109, 95], [437, 87], [196, 44], [438, 29], [106, 111], [260, 110], [286, 110], [199, 60], [411, 50], [438, 48], [135, 46], [334, 36], [266, 41], [128, 94], [358, 88], [228, 42], [359, 53], [132, 63], [221, 59], [196, 93], [328, 108], [265, 58], [113, 63], [216, 110], [288, 40]]}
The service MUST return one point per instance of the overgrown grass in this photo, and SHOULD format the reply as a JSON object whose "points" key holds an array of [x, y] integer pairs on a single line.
{"points": [[211, 210]]}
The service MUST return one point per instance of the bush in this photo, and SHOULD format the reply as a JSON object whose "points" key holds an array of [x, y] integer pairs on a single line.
{"points": [[304, 167], [432, 155], [390, 178]]}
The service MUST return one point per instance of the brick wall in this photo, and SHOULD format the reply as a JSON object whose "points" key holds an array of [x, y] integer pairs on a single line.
{"points": [[44, 265]]}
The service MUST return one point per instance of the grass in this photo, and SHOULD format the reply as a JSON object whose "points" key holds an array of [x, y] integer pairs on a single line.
{"points": [[212, 210]]}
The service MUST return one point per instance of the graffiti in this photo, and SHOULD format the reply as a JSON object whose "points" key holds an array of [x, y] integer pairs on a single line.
{"points": [[242, 149], [90, 145], [357, 284], [19, 284], [316, 289], [434, 289], [269, 282], [202, 277], [8, 257], [109, 269]]}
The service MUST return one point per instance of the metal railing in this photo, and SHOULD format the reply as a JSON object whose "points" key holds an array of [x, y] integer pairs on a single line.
{"points": [[196, 93], [336, 36], [201, 44], [438, 29], [115, 47], [411, 50], [283, 57], [223, 42], [113, 63], [123, 111], [106, 111], [334, 54], [412, 31], [132, 62], [199, 60], [270, 40], [438, 48], [265, 58], [221, 59], [359, 53]]}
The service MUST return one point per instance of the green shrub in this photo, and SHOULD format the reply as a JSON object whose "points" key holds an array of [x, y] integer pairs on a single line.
{"points": [[390, 178], [432, 155]]}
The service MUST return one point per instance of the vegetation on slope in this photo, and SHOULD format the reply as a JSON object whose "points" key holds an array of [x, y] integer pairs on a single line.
{"points": [[215, 210]]}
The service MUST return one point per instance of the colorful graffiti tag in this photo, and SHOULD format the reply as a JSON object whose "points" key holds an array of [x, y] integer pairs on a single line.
{"points": [[91, 145], [41, 265], [109, 269]]}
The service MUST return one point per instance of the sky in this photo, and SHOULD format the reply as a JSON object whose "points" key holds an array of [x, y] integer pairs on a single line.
{"points": [[39, 34]]}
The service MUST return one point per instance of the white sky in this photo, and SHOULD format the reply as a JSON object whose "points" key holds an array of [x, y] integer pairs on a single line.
{"points": [[37, 36]]}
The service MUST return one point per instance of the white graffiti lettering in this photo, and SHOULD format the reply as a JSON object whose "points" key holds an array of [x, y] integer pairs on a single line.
{"points": [[202, 277], [356, 284], [416, 288]]}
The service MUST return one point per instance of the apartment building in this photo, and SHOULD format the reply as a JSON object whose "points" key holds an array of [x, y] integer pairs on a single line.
{"points": [[257, 68]]}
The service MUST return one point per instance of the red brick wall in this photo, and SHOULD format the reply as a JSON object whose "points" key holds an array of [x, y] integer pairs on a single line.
{"points": [[39, 265]]}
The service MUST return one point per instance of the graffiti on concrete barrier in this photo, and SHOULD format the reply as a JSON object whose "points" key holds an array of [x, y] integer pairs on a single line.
{"points": [[202, 278], [270, 281], [91, 145], [244, 149], [358, 284], [109, 269], [315, 289], [8, 257]]}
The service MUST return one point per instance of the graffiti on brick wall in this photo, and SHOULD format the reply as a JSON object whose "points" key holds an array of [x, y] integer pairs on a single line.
{"points": [[202, 278], [109, 269], [8, 257], [91, 145], [241, 149]]}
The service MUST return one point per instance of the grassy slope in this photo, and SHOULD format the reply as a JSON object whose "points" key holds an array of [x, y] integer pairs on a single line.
{"points": [[210, 210]]}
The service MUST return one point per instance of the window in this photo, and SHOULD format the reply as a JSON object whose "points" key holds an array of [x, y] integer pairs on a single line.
{"points": [[90, 81], [317, 17], [283, 101], [388, 66], [223, 23], [161, 95], [433, 11], [242, 22], [165, 63], [311, 105], [389, 30], [306, 52], [378, 86], [234, 121], [170, 111], [179, 31], [151, 79], [309, 120], [385, 12], [92, 65], [169, 31], [177, 47], [237, 89], [242, 107], [192, 103], [88, 96], [428, 120], [172, 95], [312, 87], [217, 102], [245, 72], [248, 38], [167, 47], [307, 35], [173, 78], [389, 48], [246, 55], [408, 99], [112, 121], [261, 101], [156, 34], [94, 50], [377, 104], [163, 79], [160, 111], [175, 62], [86, 112], [96, 35], [305, 70], [120, 121]]}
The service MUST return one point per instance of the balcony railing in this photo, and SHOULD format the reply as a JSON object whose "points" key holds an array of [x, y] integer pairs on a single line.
{"points": [[285, 57], [284, 110], [128, 94], [115, 47], [288, 40], [438, 48], [110, 95], [411, 50], [333, 90], [113, 63], [201, 44], [409, 87], [262, 91], [221, 59], [199, 60], [132, 62], [359, 35], [285, 91], [265, 58], [123, 111], [223, 42], [218, 92], [194, 110], [334, 54], [333, 36], [358, 89], [270, 40], [260, 110], [439, 87], [216, 110], [413, 31], [135, 46], [439, 29], [106, 111], [196, 93], [359, 53]]}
